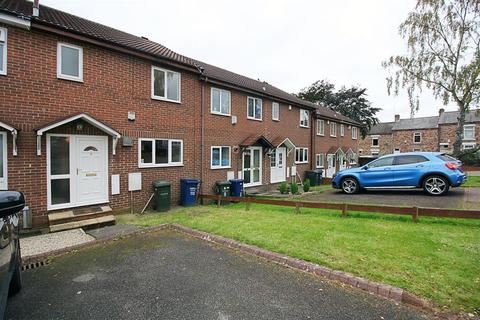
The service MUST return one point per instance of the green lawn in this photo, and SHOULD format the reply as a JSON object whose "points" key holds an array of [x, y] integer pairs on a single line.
{"points": [[472, 181], [438, 259]]}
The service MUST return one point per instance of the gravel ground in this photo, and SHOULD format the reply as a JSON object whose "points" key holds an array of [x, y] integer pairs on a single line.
{"points": [[53, 241]]}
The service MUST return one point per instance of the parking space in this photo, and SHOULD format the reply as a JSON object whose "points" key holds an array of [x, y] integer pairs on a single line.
{"points": [[457, 198], [170, 276]]}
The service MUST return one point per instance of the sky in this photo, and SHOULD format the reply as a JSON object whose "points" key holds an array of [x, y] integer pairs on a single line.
{"points": [[290, 44]]}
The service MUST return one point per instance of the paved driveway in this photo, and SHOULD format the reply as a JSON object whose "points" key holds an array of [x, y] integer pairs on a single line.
{"points": [[459, 198], [170, 276]]}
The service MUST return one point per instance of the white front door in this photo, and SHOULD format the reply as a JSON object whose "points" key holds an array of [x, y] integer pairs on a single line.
{"points": [[77, 170], [330, 165], [342, 164], [277, 165], [252, 166]]}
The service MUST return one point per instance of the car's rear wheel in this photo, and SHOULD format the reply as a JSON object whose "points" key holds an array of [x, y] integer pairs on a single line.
{"points": [[350, 185], [16, 282], [436, 185]]}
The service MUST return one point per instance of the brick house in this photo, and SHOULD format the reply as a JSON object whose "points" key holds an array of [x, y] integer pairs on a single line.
{"points": [[435, 133], [90, 112]]}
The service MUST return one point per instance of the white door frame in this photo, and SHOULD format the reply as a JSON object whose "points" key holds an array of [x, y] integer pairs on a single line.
{"points": [[276, 167], [73, 169], [4, 180], [259, 183], [330, 171]]}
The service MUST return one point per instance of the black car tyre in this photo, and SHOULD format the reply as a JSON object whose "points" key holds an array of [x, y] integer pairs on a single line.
{"points": [[16, 282], [350, 185], [436, 185]]}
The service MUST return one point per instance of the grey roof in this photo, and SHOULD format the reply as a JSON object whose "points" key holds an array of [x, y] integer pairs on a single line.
{"points": [[416, 123], [451, 117], [382, 128]]}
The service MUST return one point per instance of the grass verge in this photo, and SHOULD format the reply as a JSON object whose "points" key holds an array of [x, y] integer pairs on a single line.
{"points": [[435, 258], [472, 181]]}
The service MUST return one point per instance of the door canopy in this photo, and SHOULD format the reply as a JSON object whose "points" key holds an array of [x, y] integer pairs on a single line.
{"points": [[282, 141], [14, 133], [83, 116], [256, 140]]}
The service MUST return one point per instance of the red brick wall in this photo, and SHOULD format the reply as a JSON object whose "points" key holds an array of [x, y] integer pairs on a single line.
{"points": [[385, 143], [403, 139]]}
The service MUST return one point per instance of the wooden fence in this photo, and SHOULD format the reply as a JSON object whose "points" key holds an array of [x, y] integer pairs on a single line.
{"points": [[415, 212]]}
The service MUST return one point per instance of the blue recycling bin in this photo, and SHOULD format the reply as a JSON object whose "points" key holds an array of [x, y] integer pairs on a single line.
{"points": [[236, 187], [188, 192]]}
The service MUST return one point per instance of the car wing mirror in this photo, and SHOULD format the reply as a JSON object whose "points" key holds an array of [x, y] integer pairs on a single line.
{"points": [[11, 202], [364, 168]]}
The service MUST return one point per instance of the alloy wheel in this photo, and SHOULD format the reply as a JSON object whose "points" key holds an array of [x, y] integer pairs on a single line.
{"points": [[435, 185], [349, 186]]}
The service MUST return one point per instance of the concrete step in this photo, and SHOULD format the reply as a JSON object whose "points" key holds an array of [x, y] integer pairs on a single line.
{"points": [[99, 221], [78, 214]]}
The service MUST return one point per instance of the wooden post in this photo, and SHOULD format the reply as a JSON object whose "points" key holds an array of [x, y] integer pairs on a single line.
{"points": [[247, 203], [415, 214], [344, 210], [297, 208], [219, 201]]}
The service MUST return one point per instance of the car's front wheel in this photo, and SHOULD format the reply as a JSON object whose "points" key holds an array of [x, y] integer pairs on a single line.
{"points": [[436, 185], [350, 185], [16, 282]]}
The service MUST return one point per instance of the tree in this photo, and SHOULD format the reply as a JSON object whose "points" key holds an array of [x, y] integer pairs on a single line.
{"points": [[443, 55], [350, 102]]}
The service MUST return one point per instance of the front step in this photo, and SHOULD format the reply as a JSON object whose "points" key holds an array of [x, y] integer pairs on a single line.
{"points": [[80, 217]]}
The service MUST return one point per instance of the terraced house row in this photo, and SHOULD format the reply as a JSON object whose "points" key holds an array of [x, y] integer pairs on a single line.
{"points": [[90, 113]]}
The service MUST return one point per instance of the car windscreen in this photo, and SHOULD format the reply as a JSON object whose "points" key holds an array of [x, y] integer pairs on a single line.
{"points": [[446, 157]]}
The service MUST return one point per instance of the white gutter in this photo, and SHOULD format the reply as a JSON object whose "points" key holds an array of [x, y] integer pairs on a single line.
{"points": [[18, 21]]}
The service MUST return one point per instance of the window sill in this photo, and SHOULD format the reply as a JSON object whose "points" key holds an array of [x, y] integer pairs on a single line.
{"points": [[69, 78], [276, 120], [3, 73], [301, 162], [320, 135], [305, 127], [166, 100], [332, 136], [254, 119], [220, 114], [220, 168], [143, 166]]}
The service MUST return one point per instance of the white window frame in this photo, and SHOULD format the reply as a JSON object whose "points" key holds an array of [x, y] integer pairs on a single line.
{"points": [[159, 165], [307, 114], [469, 145], [261, 109], [220, 101], [164, 98], [333, 133], [276, 105], [320, 164], [378, 141], [4, 179], [417, 134], [60, 75], [354, 133], [322, 126], [342, 130], [220, 165], [469, 126], [3, 71], [303, 155]]}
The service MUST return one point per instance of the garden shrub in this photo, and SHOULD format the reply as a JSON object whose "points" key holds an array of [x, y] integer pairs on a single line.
{"points": [[470, 157], [294, 188], [283, 188], [306, 185]]}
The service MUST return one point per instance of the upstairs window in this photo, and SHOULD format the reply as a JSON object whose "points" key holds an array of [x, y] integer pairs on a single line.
{"points": [[417, 137], [275, 111], [320, 127], [254, 108], [301, 155], [165, 85], [342, 130], [354, 133], [3, 51], [221, 102], [375, 141], [160, 153], [469, 132], [333, 129], [220, 157], [304, 118], [69, 62]]}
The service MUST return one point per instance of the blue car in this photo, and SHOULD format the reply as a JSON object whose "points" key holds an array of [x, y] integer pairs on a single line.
{"points": [[435, 172]]}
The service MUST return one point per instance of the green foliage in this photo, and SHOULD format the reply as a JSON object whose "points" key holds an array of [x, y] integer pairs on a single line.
{"points": [[470, 157], [443, 55], [283, 188], [350, 102], [294, 188], [306, 185]]}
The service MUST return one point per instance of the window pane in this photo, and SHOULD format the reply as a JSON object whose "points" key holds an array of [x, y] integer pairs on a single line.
{"points": [[246, 160], [225, 157], [2, 52], [256, 158], [59, 155], [256, 175], [176, 151], [161, 151], [70, 61], [273, 159], [280, 159], [250, 107], [159, 83], [215, 156], [382, 162], [246, 176], [215, 100], [225, 102], [258, 109], [146, 151], [60, 191], [173, 86], [1, 156]]}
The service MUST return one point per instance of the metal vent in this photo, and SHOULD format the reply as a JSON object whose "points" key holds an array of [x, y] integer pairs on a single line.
{"points": [[34, 265]]}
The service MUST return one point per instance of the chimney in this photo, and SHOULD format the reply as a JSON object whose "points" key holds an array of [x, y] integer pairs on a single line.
{"points": [[397, 117], [36, 8], [440, 112]]}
